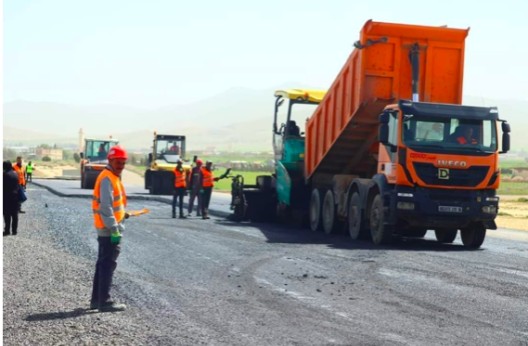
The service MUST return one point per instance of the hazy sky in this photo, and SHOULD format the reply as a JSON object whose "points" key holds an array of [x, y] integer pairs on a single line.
{"points": [[155, 53]]}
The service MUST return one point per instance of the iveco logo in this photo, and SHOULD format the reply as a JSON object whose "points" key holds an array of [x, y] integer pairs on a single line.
{"points": [[452, 163]]}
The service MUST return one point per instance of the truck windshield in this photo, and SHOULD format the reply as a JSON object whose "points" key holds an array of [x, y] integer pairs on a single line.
{"points": [[293, 124], [97, 150], [449, 133], [169, 149]]}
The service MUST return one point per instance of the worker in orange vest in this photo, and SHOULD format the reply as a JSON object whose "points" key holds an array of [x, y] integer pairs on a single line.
{"points": [[208, 180], [19, 170], [108, 206], [180, 185]]}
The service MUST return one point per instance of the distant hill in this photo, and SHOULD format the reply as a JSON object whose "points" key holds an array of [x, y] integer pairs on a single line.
{"points": [[236, 120]]}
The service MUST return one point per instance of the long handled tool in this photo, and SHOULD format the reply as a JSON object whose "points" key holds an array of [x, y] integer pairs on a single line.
{"points": [[137, 212]]}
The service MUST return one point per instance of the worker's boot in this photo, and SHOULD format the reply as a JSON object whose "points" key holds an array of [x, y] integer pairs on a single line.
{"points": [[174, 214], [205, 214]]}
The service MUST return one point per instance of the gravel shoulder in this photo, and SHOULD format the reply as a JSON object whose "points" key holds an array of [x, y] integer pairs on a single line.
{"points": [[46, 292]]}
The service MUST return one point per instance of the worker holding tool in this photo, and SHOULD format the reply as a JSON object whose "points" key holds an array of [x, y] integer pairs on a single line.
{"points": [[180, 185], [195, 186], [208, 180], [108, 205]]}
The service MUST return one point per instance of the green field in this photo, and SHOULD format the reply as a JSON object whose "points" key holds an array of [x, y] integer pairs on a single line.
{"points": [[225, 184], [506, 187], [513, 188]]}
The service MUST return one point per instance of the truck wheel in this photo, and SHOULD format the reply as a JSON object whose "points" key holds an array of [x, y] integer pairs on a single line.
{"points": [[315, 210], [154, 182], [473, 236], [355, 221], [328, 213], [445, 235], [379, 232], [89, 181], [148, 183]]}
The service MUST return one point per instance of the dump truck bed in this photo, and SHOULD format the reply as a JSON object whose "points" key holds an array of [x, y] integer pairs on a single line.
{"points": [[341, 135]]}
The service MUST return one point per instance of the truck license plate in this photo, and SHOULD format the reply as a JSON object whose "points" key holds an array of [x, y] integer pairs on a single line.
{"points": [[449, 209]]}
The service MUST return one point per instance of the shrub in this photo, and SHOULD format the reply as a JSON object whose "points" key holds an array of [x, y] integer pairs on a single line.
{"points": [[46, 159]]}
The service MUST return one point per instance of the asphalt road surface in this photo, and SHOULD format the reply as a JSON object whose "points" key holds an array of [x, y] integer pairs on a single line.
{"points": [[264, 284]]}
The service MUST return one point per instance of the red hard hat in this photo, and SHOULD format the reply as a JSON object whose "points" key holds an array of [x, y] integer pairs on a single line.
{"points": [[117, 152], [199, 162]]}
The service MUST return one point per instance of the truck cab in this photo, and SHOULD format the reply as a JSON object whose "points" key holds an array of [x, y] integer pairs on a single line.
{"points": [[93, 160], [289, 140], [166, 151], [439, 163]]}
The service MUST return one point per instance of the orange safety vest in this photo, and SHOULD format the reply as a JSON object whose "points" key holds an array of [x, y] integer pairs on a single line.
{"points": [[20, 172], [208, 178], [120, 200], [463, 140], [180, 178]]}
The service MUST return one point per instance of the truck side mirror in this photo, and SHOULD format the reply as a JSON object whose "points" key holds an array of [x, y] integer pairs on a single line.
{"points": [[505, 142], [505, 127], [81, 155], [149, 160]]}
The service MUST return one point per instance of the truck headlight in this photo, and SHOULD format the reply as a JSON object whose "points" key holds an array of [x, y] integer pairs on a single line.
{"points": [[489, 209], [405, 205]]}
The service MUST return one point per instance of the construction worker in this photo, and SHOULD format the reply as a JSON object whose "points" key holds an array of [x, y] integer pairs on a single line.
{"points": [[11, 199], [208, 180], [108, 205], [180, 185], [19, 170], [195, 186], [29, 172], [464, 135], [174, 149], [101, 153]]}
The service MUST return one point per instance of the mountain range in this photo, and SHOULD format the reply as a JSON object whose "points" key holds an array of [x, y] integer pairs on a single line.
{"points": [[238, 119]]}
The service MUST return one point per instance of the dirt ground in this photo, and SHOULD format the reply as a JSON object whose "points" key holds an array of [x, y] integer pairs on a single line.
{"points": [[514, 214]]}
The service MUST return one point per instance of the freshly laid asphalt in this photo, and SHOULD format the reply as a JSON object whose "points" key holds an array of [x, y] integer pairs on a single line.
{"points": [[219, 205]]}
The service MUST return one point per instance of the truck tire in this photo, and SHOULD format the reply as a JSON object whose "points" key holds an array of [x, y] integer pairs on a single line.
{"points": [[161, 183], [89, 180], [446, 235], [328, 213], [155, 183], [356, 228], [473, 236], [380, 233], [147, 180], [315, 210]]}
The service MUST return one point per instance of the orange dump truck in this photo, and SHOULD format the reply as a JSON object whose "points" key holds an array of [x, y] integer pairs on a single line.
{"points": [[390, 150]]}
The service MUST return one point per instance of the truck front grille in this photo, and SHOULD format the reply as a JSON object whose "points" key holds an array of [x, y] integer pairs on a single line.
{"points": [[457, 177]]}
